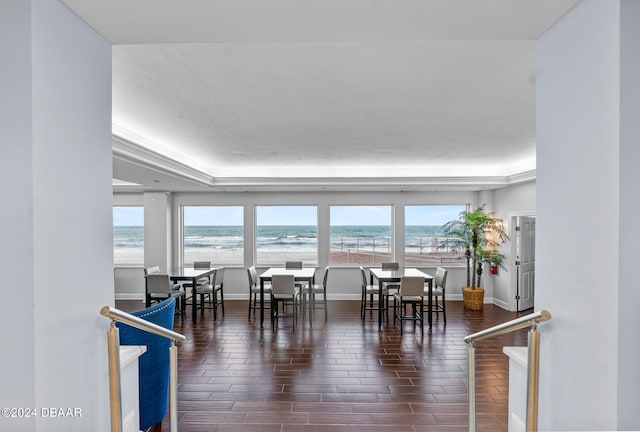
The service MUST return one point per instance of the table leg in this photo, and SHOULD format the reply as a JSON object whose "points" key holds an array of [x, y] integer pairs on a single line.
{"points": [[194, 300], [430, 303], [380, 304], [312, 299]]}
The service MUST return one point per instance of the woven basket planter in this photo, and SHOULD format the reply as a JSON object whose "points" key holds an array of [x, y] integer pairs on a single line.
{"points": [[473, 298]]}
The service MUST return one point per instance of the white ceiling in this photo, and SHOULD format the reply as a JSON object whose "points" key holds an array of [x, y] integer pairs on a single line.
{"points": [[329, 94]]}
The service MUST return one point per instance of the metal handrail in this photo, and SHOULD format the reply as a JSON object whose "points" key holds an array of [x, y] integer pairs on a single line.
{"points": [[113, 342], [139, 323], [533, 365], [509, 326]]}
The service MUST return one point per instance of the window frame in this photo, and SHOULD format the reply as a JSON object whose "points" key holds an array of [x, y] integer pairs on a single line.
{"points": [[181, 236], [139, 263], [390, 255], [454, 260], [280, 262]]}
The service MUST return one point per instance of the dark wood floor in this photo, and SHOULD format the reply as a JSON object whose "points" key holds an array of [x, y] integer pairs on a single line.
{"points": [[341, 376]]}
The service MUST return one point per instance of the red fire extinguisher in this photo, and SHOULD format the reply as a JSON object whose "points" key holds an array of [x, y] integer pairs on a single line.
{"points": [[494, 269]]}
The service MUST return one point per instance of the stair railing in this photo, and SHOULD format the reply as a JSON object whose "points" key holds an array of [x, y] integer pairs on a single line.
{"points": [[113, 342], [533, 365]]}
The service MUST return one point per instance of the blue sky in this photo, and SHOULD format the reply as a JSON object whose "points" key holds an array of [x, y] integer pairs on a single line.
{"points": [[218, 215], [431, 215], [128, 216], [297, 215], [361, 215], [287, 215]]}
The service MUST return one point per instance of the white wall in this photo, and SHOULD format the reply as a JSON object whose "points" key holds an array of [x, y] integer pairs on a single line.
{"points": [[516, 200], [16, 220], [629, 294], [157, 230], [129, 283], [58, 232], [585, 255]]}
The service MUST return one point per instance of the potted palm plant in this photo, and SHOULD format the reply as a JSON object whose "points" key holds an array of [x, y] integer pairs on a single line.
{"points": [[478, 234]]}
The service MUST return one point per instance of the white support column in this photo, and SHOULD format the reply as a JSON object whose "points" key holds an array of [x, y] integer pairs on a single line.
{"points": [[157, 230], [249, 234], [324, 246], [398, 233], [56, 221], [588, 99]]}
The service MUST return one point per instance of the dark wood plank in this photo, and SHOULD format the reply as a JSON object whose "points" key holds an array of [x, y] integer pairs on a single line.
{"points": [[342, 375]]}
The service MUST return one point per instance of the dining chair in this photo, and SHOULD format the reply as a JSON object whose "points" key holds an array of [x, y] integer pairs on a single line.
{"points": [[203, 288], [254, 291], [203, 265], [212, 293], [296, 265], [156, 269], [438, 291], [312, 292], [370, 292], [153, 366], [218, 292], [411, 292], [283, 291], [158, 287], [392, 287], [152, 269]]}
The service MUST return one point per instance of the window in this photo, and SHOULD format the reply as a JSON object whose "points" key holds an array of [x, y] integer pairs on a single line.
{"points": [[360, 235], [424, 241], [286, 233], [128, 235], [213, 233]]}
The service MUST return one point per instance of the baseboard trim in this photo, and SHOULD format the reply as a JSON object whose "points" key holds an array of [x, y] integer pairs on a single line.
{"points": [[501, 303], [129, 296]]}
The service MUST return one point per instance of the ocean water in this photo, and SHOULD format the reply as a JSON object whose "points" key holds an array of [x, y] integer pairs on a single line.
{"points": [[128, 237], [361, 244], [284, 237]]}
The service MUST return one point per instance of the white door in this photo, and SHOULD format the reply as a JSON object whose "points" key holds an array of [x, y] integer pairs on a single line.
{"points": [[525, 262]]}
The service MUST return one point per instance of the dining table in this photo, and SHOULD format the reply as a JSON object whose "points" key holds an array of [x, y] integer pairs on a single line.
{"points": [[191, 275], [395, 276], [305, 274]]}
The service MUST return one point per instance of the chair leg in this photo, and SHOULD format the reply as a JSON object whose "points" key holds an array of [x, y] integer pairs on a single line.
{"points": [[214, 299], [386, 306], [274, 310], [444, 309], [295, 309], [414, 314], [402, 308], [222, 299], [396, 316], [326, 313]]}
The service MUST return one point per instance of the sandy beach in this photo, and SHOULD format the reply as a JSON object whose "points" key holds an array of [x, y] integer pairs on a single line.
{"points": [[276, 257]]}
